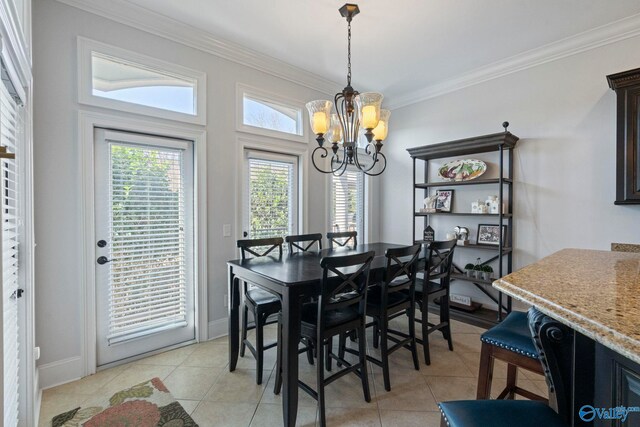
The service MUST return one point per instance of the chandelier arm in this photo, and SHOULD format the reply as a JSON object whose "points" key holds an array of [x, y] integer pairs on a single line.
{"points": [[383, 167], [323, 155], [374, 158]]}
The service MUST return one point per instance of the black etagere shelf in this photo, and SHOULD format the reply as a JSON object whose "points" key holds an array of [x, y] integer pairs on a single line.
{"points": [[502, 144]]}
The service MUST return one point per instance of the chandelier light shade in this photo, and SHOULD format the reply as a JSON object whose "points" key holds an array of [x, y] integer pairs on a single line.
{"points": [[354, 113]]}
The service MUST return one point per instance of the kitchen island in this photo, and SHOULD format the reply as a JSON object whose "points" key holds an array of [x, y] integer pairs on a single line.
{"points": [[597, 294]]}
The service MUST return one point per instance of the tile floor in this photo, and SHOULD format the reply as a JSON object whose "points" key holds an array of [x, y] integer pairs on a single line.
{"points": [[198, 378]]}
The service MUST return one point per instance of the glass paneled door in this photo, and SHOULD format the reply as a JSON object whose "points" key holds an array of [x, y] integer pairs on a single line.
{"points": [[144, 244]]}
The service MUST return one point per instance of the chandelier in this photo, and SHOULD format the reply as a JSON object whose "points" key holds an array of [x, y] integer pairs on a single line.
{"points": [[342, 128]]}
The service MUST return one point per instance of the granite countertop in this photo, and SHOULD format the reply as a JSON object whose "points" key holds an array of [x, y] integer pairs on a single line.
{"points": [[597, 293]]}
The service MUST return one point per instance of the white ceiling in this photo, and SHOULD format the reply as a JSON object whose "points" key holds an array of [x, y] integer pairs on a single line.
{"points": [[398, 46]]}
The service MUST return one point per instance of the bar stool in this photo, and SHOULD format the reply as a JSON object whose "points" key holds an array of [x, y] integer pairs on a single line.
{"points": [[553, 344], [261, 303], [509, 341]]}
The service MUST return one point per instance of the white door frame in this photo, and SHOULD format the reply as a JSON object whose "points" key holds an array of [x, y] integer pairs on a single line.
{"points": [[266, 144], [87, 122]]}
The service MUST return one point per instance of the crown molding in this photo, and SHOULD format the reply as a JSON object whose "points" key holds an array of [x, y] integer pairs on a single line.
{"points": [[591, 39], [160, 25]]}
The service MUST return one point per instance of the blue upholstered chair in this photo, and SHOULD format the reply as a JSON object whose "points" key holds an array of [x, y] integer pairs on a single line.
{"points": [[553, 343], [509, 341]]}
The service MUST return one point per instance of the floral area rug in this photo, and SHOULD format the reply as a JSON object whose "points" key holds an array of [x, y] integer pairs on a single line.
{"points": [[148, 404]]}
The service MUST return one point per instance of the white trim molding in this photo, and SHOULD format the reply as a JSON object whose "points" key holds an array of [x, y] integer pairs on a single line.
{"points": [[87, 122], [591, 39], [60, 372], [151, 22]]}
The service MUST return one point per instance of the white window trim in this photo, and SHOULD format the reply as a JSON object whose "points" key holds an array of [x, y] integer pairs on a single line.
{"points": [[253, 92], [249, 143], [85, 82], [87, 122]]}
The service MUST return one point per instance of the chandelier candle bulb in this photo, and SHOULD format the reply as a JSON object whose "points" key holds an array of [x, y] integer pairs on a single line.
{"points": [[369, 119], [319, 123]]}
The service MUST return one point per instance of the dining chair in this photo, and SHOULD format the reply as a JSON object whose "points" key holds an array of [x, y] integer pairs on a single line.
{"points": [[435, 284], [262, 303], [508, 341], [395, 295], [342, 238], [340, 308], [553, 343], [303, 242]]}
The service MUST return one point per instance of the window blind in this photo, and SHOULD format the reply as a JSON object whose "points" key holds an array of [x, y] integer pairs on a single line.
{"points": [[347, 202], [271, 197], [147, 251], [11, 134]]}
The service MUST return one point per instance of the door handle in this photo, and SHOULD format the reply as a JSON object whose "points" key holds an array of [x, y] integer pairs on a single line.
{"points": [[103, 260], [245, 234], [102, 243]]}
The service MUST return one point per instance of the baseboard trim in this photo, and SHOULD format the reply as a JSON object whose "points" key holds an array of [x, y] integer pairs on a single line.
{"points": [[218, 328], [59, 372]]}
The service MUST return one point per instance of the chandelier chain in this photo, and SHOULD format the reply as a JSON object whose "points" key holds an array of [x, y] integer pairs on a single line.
{"points": [[349, 54]]}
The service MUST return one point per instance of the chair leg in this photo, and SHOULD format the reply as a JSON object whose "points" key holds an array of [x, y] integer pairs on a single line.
{"points": [[512, 378], [384, 352], [245, 314], [278, 383], [376, 334], [259, 347], [320, 381], [425, 336], [342, 343], [445, 317], [485, 374], [309, 352], [411, 314], [364, 374], [327, 350]]}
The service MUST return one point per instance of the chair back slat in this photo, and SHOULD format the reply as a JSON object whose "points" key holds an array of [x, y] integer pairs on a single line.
{"points": [[554, 343], [266, 246], [344, 283], [439, 261], [303, 242], [342, 238]]}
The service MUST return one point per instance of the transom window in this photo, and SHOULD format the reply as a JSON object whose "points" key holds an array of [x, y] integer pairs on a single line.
{"points": [[268, 114], [119, 79]]}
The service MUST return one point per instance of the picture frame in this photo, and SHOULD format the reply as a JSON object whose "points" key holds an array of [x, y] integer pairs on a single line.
{"points": [[489, 235], [444, 200]]}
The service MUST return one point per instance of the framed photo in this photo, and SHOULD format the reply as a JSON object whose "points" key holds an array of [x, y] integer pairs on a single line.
{"points": [[489, 234], [444, 200]]}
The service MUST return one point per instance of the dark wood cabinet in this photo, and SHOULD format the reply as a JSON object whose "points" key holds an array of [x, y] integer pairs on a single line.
{"points": [[627, 87], [617, 384]]}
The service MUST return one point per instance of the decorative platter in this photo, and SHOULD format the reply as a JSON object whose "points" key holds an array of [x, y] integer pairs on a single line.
{"points": [[462, 170]]}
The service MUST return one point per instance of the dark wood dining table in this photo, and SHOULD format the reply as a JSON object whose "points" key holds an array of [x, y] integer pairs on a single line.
{"points": [[293, 277]]}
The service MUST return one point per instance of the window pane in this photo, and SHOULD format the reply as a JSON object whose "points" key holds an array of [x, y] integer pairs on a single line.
{"points": [[270, 115], [271, 198], [347, 204], [128, 82]]}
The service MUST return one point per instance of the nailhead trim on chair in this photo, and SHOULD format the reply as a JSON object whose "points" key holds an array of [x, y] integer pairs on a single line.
{"points": [[508, 347], [444, 417]]}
